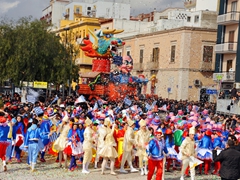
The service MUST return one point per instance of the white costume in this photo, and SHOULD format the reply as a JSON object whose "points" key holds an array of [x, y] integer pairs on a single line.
{"points": [[61, 142], [108, 150], [142, 138], [87, 145]]}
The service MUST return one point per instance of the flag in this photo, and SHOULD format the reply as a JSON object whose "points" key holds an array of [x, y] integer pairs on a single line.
{"points": [[127, 101], [80, 99], [163, 108], [134, 108], [95, 106], [55, 100], [148, 107], [195, 162], [153, 104]]}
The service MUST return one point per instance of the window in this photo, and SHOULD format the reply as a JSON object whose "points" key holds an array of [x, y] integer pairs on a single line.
{"points": [[173, 53], [229, 65], [77, 10], [88, 8], [196, 18], [207, 53], [189, 19], [128, 53], [141, 56], [155, 54]]}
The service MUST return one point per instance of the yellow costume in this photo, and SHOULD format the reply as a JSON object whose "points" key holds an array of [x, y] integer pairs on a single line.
{"points": [[142, 138], [108, 150], [61, 142], [128, 143], [87, 145]]}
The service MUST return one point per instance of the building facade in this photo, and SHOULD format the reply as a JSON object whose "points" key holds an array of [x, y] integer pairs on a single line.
{"points": [[181, 59], [74, 9], [227, 50], [72, 33]]}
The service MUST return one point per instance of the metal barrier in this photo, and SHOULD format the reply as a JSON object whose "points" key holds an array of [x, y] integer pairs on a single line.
{"points": [[222, 105]]}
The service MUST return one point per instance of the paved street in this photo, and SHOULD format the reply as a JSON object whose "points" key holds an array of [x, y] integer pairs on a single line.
{"points": [[51, 171]]}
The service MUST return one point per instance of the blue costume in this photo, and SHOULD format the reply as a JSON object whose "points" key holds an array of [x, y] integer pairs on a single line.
{"points": [[156, 148], [45, 130], [32, 139], [4, 129]]}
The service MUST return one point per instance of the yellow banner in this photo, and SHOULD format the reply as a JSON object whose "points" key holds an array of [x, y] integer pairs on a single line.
{"points": [[41, 85]]}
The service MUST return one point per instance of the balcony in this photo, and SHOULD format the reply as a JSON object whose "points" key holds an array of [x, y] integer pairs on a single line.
{"points": [[138, 67], [226, 48], [228, 18], [152, 66], [189, 3], [224, 77]]}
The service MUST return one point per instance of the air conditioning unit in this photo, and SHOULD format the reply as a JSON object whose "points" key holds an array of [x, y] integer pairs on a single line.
{"points": [[230, 76], [237, 85], [227, 86], [197, 82]]}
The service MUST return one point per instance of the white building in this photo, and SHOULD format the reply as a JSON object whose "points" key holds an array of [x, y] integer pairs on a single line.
{"points": [[73, 9], [199, 5]]}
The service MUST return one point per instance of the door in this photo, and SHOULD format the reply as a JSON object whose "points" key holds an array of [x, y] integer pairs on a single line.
{"points": [[229, 65], [230, 40], [233, 10]]}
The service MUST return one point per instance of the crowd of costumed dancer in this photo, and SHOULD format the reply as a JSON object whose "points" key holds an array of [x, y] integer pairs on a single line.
{"points": [[131, 138]]}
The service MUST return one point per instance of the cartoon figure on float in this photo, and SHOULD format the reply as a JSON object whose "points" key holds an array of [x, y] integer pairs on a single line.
{"points": [[103, 46]]}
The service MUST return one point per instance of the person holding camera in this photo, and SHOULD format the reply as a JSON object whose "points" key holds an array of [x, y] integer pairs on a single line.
{"points": [[230, 161]]}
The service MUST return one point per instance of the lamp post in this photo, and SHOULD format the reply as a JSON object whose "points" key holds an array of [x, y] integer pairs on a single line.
{"points": [[66, 40]]}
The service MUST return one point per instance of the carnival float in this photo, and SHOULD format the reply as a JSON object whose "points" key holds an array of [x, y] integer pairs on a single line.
{"points": [[114, 83]]}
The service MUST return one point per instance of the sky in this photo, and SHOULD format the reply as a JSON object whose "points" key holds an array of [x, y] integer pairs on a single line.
{"points": [[15, 9]]}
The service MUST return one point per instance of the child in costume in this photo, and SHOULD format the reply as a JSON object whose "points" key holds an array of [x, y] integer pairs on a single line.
{"points": [[155, 150], [32, 143], [172, 154], [87, 145], [4, 130], [61, 142], [204, 152], [19, 127], [74, 146], [142, 138], [108, 151]]}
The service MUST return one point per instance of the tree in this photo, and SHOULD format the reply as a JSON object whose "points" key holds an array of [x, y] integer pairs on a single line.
{"points": [[29, 52]]}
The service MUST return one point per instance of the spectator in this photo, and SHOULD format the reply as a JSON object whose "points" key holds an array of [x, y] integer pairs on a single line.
{"points": [[234, 91], [230, 161], [221, 95]]}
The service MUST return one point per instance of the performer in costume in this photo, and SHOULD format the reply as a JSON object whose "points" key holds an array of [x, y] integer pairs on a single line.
{"points": [[74, 146], [172, 154], [31, 143], [4, 130], [217, 143], [142, 139], [11, 139], [155, 150], [19, 127], [187, 149], [128, 143], [87, 145], [102, 132], [61, 142], [108, 150], [119, 136], [204, 152], [45, 127]]}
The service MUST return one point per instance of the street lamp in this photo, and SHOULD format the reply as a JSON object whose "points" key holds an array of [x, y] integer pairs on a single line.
{"points": [[66, 29]]}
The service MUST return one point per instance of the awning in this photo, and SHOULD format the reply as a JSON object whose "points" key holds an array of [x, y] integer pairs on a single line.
{"points": [[90, 74]]}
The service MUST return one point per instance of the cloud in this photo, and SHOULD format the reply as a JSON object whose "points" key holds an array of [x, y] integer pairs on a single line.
{"points": [[6, 6]]}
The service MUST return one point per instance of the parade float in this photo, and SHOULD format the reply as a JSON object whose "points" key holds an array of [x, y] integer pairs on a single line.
{"points": [[114, 83]]}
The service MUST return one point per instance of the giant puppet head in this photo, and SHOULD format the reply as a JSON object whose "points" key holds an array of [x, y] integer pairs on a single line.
{"points": [[127, 65], [101, 43]]}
